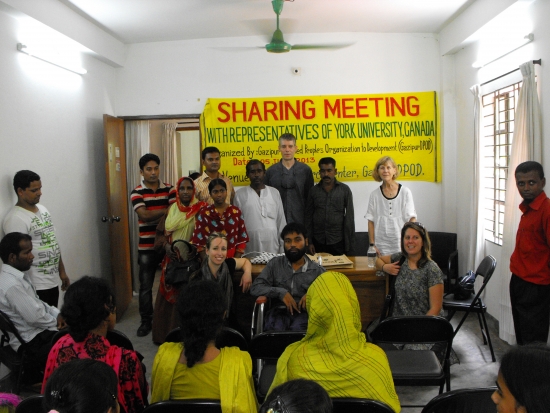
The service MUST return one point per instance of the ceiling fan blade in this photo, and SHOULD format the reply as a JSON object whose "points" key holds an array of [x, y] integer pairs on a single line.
{"points": [[334, 46]]}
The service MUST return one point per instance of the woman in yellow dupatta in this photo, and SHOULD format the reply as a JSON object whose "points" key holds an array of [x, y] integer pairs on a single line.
{"points": [[177, 223], [334, 352]]}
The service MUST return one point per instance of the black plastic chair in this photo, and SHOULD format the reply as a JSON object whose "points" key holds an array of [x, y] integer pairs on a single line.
{"points": [[12, 359], [185, 406], [32, 404], [228, 337], [474, 304], [115, 337], [445, 254], [349, 405], [462, 401], [417, 367], [266, 348]]}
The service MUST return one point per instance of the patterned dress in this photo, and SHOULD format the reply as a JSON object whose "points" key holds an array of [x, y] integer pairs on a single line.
{"points": [[132, 386], [230, 223]]}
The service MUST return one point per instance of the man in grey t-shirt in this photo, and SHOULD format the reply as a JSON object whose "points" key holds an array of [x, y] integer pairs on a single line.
{"points": [[292, 178]]}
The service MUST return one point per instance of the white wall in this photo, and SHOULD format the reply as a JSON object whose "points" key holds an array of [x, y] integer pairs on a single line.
{"points": [[177, 78], [533, 20], [52, 124]]}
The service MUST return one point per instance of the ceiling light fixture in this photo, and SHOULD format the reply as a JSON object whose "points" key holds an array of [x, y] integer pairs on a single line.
{"points": [[50, 58], [526, 39]]}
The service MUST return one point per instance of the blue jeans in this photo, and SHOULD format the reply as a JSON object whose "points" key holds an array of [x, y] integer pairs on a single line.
{"points": [[148, 262], [279, 319]]}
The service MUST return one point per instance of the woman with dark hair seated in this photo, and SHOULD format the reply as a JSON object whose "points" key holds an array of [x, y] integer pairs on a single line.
{"points": [[297, 396], [523, 381], [335, 353], [82, 386], [89, 310], [223, 218], [196, 369]]}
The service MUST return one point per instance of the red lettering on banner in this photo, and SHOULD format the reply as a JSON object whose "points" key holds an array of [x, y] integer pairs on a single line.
{"points": [[311, 111], [235, 111], [347, 107], [254, 111], [220, 108], [358, 108], [415, 107], [271, 110], [289, 108], [333, 109], [376, 100]]}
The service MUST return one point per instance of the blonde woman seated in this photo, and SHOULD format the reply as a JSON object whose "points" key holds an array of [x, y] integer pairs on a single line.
{"points": [[196, 369], [334, 353]]}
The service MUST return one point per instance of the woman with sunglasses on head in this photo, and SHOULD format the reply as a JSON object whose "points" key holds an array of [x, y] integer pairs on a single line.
{"points": [[223, 218], [419, 282], [220, 269], [178, 223], [390, 206], [89, 310]]}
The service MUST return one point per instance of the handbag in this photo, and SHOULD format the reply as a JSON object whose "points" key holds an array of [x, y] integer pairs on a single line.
{"points": [[179, 270], [465, 286]]}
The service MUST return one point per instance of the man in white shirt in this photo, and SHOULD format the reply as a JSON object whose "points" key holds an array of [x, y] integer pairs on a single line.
{"points": [[36, 321], [262, 210], [30, 217]]}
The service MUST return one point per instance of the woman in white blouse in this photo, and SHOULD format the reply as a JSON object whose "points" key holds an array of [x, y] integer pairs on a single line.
{"points": [[390, 206]]}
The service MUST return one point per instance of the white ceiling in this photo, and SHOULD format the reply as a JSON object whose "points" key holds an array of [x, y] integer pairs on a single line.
{"points": [[138, 21]]}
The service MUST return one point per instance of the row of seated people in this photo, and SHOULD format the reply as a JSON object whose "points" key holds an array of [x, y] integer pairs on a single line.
{"points": [[334, 354]]}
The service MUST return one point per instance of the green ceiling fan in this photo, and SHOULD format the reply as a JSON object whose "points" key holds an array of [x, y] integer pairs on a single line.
{"points": [[278, 44]]}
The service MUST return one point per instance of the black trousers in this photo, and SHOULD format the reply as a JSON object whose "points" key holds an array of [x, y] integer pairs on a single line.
{"points": [[530, 310], [49, 296], [37, 355], [148, 263]]}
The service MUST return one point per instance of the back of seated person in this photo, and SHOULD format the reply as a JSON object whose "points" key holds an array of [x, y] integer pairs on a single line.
{"points": [[89, 310], [196, 368], [298, 396], [82, 386]]}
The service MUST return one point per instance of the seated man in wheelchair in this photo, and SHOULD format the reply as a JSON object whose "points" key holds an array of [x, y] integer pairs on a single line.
{"points": [[286, 279]]}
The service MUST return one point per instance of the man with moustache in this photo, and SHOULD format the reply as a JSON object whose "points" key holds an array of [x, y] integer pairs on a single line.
{"points": [[530, 261], [287, 279], [330, 220], [212, 163], [36, 321], [262, 211]]}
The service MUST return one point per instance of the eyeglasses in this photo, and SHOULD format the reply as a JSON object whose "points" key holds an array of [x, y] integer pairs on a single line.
{"points": [[414, 224]]}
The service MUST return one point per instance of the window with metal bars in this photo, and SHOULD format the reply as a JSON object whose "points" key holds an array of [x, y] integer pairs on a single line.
{"points": [[498, 130]]}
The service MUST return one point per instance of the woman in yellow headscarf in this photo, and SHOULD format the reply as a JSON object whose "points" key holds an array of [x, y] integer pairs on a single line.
{"points": [[177, 223], [334, 352]]}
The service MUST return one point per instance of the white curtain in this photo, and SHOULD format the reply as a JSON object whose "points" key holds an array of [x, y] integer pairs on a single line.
{"points": [[137, 145], [526, 146], [169, 153], [476, 252]]}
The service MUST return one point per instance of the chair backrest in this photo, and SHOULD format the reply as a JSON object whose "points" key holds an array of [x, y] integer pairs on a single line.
{"points": [[271, 344], [413, 329], [443, 245], [115, 337], [349, 405], [462, 401], [227, 337], [486, 268], [32, 404], [185, 406], [361, 245], [6, 326]]}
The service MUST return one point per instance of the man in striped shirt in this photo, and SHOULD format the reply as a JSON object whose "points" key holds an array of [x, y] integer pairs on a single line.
{"points": [[150, 201]]}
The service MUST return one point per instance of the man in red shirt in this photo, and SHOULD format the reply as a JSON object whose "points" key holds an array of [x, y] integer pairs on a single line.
{"points": [[530, 261]]}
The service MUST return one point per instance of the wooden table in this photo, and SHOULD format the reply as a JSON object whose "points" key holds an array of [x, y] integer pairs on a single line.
{"points": [[370, 290]]}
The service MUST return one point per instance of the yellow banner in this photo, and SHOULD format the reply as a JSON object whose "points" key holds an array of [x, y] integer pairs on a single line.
{"points": [[355, 130]]}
